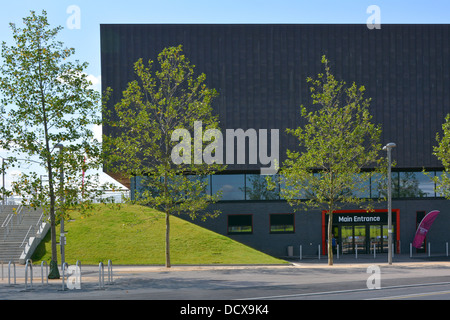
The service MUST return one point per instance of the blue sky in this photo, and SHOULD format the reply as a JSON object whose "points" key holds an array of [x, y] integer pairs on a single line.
{"points": [[95, 12], [86, 38]]}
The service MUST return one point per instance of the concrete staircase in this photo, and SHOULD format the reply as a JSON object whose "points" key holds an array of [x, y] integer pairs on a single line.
{"points": [[17, 225]]}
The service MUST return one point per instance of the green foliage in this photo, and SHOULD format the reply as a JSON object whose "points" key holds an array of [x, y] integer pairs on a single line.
{"points": [[140, 141], [336, 144], [442, 152], [46, 100]]}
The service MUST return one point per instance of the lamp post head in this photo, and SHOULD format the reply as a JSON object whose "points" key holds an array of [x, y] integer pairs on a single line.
{"points": [[389, 146]]}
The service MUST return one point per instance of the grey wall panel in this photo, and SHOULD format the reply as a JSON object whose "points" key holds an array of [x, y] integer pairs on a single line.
{"points": [[260, 72]]}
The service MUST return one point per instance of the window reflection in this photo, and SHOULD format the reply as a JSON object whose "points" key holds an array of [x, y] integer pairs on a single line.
{"points": [[240, 223], [256, 188], [362, 187], [232, 186], [379, 185], [443, 184], [415, 185], [281, 223]]}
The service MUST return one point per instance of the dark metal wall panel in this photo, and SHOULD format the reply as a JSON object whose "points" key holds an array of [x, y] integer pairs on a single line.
{"points": [[260, 73]]}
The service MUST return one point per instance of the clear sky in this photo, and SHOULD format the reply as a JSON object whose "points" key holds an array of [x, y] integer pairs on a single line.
{"points": [[85, 38]]}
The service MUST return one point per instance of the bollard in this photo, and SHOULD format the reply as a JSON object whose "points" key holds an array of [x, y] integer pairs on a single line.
{"points": [[101, 275], [374, 251], [78, 265], [410, 250], [446, 250], [64, 266], [9, 272], [318, 251], [42, 271], [356, 251], [337, 250], [110, 272], [300, 254], [28, 263], [429, 249]]}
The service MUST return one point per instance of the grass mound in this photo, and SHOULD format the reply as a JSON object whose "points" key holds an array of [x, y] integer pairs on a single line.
{"points": [[134, 235]]}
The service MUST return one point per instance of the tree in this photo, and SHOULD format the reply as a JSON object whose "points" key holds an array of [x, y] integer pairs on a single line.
{"points": [[442, 152], [150, 137], [337, 142], [47, 103]]}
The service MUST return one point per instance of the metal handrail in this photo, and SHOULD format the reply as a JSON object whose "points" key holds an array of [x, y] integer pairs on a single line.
{"points": [[7, 225], [19, 214], [6, 221], [26, 236]]}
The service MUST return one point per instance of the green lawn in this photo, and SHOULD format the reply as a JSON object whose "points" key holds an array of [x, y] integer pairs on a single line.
{"points": [[135, 235]]}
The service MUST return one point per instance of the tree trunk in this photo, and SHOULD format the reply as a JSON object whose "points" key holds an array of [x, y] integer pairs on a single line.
{"points": [[167, 240], [330, 238]]}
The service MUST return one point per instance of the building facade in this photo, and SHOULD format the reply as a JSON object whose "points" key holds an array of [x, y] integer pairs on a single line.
{"points": [[260, 73]]}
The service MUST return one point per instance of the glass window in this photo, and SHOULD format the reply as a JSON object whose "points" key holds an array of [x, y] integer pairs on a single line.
{"points": [[442, 186], [143, 186], [203, 185], [231, 185], [256, 188], [379, 185], [240, 223], [291, 188], [362, 187], [282, 223], [415, 185]]}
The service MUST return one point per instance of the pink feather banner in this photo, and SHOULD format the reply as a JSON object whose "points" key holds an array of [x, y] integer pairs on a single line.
{"points": [[424, 227]]}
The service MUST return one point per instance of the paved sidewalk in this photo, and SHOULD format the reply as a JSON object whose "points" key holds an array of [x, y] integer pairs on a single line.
{"points": [[218, 281]]}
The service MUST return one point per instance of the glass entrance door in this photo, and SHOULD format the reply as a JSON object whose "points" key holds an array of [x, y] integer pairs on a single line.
{"points": [[347, 239], [385, 238], [376, 239], [360, 239], [353, 238]]}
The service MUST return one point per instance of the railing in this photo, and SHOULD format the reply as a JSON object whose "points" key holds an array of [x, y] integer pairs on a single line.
{"points": [[28, 263], [65, 267], [42, 271], [7, 225], [9, 273], [27, 246], [101, 274]]}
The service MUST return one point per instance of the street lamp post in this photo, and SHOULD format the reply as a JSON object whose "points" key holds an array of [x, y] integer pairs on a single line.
{"points": [[389, 148], [62, 238]]}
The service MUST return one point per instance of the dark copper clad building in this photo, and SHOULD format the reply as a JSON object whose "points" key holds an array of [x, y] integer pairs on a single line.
{"points": [[260, 74]]}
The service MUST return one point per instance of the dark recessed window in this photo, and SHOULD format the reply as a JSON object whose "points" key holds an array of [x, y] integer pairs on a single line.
{"points": [[282, 223], [240, 223]]}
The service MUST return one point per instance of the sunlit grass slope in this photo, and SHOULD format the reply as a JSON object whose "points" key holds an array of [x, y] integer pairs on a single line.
{"points": [[135, 235]]}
